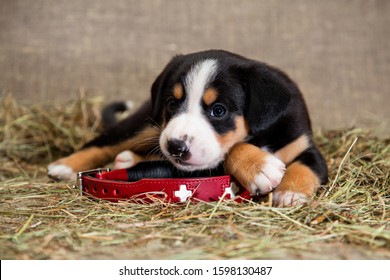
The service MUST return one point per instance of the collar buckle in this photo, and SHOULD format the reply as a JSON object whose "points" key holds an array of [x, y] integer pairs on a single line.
{"points": [[81, 174]]}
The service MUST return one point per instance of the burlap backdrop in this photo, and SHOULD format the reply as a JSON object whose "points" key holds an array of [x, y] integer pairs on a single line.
{"points": [[338, 51]]}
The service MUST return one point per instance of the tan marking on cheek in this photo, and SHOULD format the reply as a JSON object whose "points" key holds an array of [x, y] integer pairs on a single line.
{"points": [[210, 96], [244, 161], [299, 178], [289, 152], [232, 137], [178, 91]]}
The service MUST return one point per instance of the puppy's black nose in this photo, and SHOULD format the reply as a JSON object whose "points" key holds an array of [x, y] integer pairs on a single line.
{"points": [[178, 148]]}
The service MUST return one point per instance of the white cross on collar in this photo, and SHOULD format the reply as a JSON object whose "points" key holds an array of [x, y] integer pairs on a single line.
{"points": [[232, 190], [183, 193]]}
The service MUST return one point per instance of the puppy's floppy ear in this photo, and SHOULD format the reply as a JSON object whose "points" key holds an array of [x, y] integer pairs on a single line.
{"points": [[157, 96], [267, 97], [159, 86]]}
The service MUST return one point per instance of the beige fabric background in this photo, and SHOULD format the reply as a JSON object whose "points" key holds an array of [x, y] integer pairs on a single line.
{"points": [[338, 51]]}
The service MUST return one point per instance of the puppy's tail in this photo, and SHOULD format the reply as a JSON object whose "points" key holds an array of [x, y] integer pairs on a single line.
{"points": [[109, 113]]}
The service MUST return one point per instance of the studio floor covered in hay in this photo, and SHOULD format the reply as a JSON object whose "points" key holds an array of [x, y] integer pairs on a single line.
{"points": [[43, 219]]}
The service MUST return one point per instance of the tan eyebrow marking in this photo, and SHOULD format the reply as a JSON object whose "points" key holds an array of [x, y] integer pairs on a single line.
{"points": [[210, 96], [178, 91]]}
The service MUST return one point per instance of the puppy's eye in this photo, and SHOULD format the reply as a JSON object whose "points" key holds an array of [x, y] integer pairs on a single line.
{"points": [[218, 110], [172, 105]]}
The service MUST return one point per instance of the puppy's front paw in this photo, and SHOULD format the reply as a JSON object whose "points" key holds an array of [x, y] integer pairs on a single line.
{"points": [[124, 159], [268, 176], [255, 169], [288, 198], [61, 171], [297, 187]]}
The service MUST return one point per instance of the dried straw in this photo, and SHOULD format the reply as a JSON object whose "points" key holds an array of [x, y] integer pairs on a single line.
{"points": [[43, 219]]}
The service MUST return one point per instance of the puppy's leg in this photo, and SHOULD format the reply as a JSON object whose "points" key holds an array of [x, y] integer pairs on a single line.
{"points": [[130, 134], [258, 171], [66, 168], [94, 156], [261, 172], [301, 180], [297, 187]]}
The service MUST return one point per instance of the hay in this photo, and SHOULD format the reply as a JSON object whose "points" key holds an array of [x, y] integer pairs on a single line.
{"points": [[42, 219]]}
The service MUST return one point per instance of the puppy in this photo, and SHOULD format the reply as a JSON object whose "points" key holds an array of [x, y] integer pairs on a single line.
{"points": [[215, 108]]}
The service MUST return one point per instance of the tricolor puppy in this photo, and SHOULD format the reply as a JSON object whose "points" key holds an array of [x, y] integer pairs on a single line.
{"points": [[216, 108]]}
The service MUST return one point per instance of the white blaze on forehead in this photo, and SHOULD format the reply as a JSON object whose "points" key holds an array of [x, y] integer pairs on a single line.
{"points": [[191, 125], [196, 82]]}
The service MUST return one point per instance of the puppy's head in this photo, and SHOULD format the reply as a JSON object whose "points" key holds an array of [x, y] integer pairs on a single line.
{"points": [[207, 102]]}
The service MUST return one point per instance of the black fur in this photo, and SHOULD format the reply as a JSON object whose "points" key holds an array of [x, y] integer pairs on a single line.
{"points": [[109, 112], [124, 129], [268, 99], [164, 169]]}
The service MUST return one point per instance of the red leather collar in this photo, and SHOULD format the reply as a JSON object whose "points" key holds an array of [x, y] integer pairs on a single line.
{"points": [[113, 186]]}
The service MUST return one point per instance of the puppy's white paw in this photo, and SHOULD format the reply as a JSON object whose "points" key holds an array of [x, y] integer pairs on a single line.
{"points": [[124, 159], [61, 172], [269, 177], [288, 198]]}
